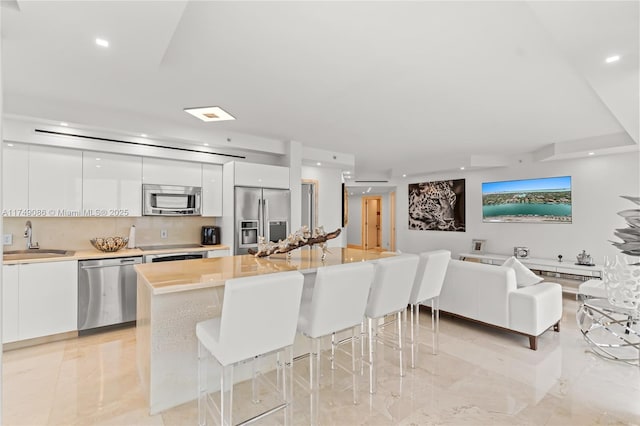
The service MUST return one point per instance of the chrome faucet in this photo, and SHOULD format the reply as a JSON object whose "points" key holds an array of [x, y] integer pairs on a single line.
{"points": [[27, 234]]}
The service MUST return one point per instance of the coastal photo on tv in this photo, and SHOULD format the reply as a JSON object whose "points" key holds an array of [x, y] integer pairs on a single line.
{"points": [[544, 200]]}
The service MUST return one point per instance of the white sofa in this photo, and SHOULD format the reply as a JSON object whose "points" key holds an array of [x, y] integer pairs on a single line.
{"points": [[489, 294]]}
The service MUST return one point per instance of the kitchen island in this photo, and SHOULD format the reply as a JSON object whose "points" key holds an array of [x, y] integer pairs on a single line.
{"points": [[174, 296]]}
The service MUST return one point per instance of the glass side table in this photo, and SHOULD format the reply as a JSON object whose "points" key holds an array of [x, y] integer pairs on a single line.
{"points": [[612, 332]]}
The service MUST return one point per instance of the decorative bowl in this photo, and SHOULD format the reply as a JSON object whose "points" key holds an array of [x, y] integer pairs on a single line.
{"points": [[109, 244]]}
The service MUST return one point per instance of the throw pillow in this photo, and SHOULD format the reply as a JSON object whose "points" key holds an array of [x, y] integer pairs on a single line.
{"points": [[524, 276]]}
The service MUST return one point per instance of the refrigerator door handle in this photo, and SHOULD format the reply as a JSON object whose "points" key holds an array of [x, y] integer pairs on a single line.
{"points": [[265, 217], [260, 219]]}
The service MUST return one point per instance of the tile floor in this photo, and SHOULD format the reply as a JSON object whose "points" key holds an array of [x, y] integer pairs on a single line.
{"points": [[481, 376]]}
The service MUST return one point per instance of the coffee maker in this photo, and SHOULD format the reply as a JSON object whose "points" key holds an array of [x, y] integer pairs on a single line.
{"points": [[210, 235]]}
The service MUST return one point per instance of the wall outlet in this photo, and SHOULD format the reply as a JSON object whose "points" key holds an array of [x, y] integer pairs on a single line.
{"points": [[164, 233], [7, 239]]}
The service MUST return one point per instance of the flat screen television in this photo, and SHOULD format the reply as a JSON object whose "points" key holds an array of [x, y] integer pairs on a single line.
{"points": [[543, 200]]}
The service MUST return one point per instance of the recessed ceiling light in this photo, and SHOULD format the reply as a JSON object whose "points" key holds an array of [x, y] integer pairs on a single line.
{"points": [[592, 153], [318, 164], [462, 168], [363, 192], [352, 193], [206, 144], [98, 165], [213, 113], [9, 144], [614, 58], [404, 175], [64, 124], [97, 158], [102, 42], [144, 135]]}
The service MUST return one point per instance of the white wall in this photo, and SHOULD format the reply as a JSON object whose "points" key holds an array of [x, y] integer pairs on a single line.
{"points": [[329, 200], [597, 183]]}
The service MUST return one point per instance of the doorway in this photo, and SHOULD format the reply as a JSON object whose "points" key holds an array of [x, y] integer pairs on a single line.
{"points": [[372, 223]]}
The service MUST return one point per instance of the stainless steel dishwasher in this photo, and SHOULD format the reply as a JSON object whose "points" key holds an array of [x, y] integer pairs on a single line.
{"points": [[106, 292]]}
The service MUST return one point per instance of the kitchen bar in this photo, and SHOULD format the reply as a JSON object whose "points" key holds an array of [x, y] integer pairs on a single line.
{"points": [[174, 296]]}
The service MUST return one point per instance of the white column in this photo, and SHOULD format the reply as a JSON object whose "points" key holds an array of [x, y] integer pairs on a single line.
{"points": [[294, 162]]}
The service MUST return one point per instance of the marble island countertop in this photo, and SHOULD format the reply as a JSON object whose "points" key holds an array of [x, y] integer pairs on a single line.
{"points": [[97, 254], [170, 277]]}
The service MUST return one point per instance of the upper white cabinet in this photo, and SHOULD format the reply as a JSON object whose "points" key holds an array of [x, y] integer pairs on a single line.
{"points": [[171, 172], [211, 190], [261, 175], [55, 180], [15, 178], [112, 184]]}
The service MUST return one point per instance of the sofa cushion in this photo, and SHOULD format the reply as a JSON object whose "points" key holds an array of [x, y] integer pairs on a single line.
{"points": [[524, 276]]}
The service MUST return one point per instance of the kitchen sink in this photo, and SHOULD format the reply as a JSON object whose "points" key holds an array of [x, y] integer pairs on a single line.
{"points": [[35, 254]]}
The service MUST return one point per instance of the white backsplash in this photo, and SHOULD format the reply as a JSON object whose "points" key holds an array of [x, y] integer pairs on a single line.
{"points": [[74, 233]]}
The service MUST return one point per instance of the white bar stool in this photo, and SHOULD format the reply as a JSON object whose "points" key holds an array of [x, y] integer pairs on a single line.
{"points": [[390, 290], [337, 303], [432, 268], [259, 316]]}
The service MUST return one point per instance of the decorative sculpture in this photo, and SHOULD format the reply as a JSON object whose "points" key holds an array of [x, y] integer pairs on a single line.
{"points": [[630, 236], [300, 238]]}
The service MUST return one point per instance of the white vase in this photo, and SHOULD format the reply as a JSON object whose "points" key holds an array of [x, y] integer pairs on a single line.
{"points": [[622, 282]]}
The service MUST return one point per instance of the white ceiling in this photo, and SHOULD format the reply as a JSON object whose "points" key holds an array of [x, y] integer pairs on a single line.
{"points": [[407, 87]]}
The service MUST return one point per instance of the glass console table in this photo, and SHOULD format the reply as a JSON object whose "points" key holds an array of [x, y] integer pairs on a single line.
{"points": [[613, 332], [567, 274]]}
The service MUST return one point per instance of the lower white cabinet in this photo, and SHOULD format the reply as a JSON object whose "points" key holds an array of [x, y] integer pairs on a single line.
{"points": [[39, 299], [218, 253], [10, 300]]}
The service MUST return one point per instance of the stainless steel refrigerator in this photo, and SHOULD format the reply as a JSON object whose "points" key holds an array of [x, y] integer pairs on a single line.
{"points": [[260, 212]]}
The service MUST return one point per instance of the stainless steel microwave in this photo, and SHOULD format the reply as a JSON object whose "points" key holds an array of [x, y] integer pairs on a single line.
{"points": [[171, 200]]}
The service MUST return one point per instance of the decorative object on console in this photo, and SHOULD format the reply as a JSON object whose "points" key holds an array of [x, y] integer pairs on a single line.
{"points": [[521, 252], [524, 276], [544, 200], [300, 238], [477, 246], [437, 206], [560, 258], [584, 258], [109, 244]]}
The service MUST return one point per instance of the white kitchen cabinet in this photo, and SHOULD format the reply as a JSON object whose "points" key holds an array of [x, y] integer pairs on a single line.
{"points": [[261, 175], [10, 302], [218, 253], [48, 298], [112, 184], [55, 181], [15, 178], [170, 172], [211, 190]]}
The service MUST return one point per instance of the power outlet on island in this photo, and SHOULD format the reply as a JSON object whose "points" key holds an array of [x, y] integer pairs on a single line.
{"points": [[164, 233], [7, 239]]}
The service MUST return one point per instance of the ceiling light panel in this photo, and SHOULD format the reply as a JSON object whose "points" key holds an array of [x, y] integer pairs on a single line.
{"points": [[210, 113], [614, 58]]}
